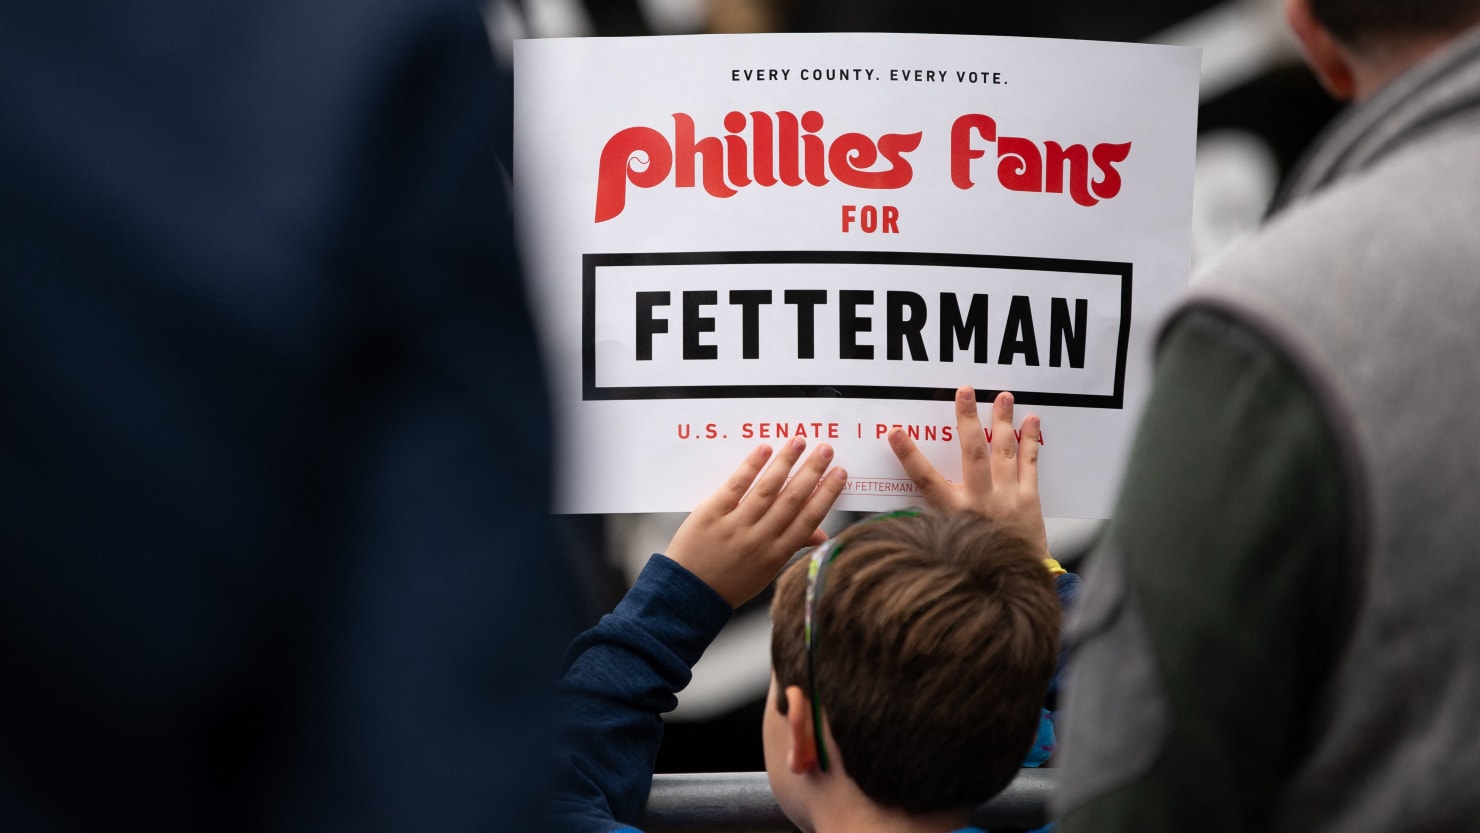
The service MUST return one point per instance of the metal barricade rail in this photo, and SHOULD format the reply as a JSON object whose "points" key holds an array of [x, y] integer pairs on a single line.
{"points": [[741, 802]]}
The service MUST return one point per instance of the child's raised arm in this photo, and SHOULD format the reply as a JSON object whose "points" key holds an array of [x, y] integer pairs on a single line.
{"points": [[999, 480], [623, 673]]}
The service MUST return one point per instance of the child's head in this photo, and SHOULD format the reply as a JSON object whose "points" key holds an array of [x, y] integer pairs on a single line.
{"points": [[934, 640]]}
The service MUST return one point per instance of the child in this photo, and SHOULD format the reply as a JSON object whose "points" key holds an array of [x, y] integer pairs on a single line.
{"points": [[927, 639]]}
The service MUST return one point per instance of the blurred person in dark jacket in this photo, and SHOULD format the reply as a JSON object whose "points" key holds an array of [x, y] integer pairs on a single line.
{"points": [[273, 437], [1280, 628]]}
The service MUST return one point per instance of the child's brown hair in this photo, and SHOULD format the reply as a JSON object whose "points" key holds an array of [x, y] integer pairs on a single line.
{"points": [[935, 638]]}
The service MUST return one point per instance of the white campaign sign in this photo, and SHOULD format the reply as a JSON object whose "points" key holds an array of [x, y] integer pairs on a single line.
{"points": [[744, 238]]}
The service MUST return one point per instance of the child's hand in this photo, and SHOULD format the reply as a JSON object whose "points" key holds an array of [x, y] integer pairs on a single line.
{"points": [[737, 542], [1000, 481]]}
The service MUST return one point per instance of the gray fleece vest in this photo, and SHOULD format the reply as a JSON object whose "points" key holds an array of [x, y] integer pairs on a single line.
{"points": [[1368, 278]]}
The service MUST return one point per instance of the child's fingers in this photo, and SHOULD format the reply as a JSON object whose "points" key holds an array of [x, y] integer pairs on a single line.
{"points": [[1004, 442], [975, 470], [805, 527], [936, 490], [1032, 442], [728, 496], [770, 483], [794, 495]]}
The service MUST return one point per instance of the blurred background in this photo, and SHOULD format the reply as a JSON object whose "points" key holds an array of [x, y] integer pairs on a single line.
{"points": [[1259, 109]]}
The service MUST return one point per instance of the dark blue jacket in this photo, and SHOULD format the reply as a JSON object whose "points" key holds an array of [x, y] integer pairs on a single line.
{"points": [[273, 436]]}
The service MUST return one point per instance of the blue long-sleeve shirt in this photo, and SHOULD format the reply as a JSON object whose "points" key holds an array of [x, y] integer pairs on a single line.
{"points": [[620, 676]]}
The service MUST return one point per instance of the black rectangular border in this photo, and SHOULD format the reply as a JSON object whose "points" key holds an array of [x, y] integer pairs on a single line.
{"points": [[591, 262]]}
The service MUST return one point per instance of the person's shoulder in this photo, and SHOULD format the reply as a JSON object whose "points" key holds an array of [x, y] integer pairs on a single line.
{"points": [[1414, 205], [1403, 223]]}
